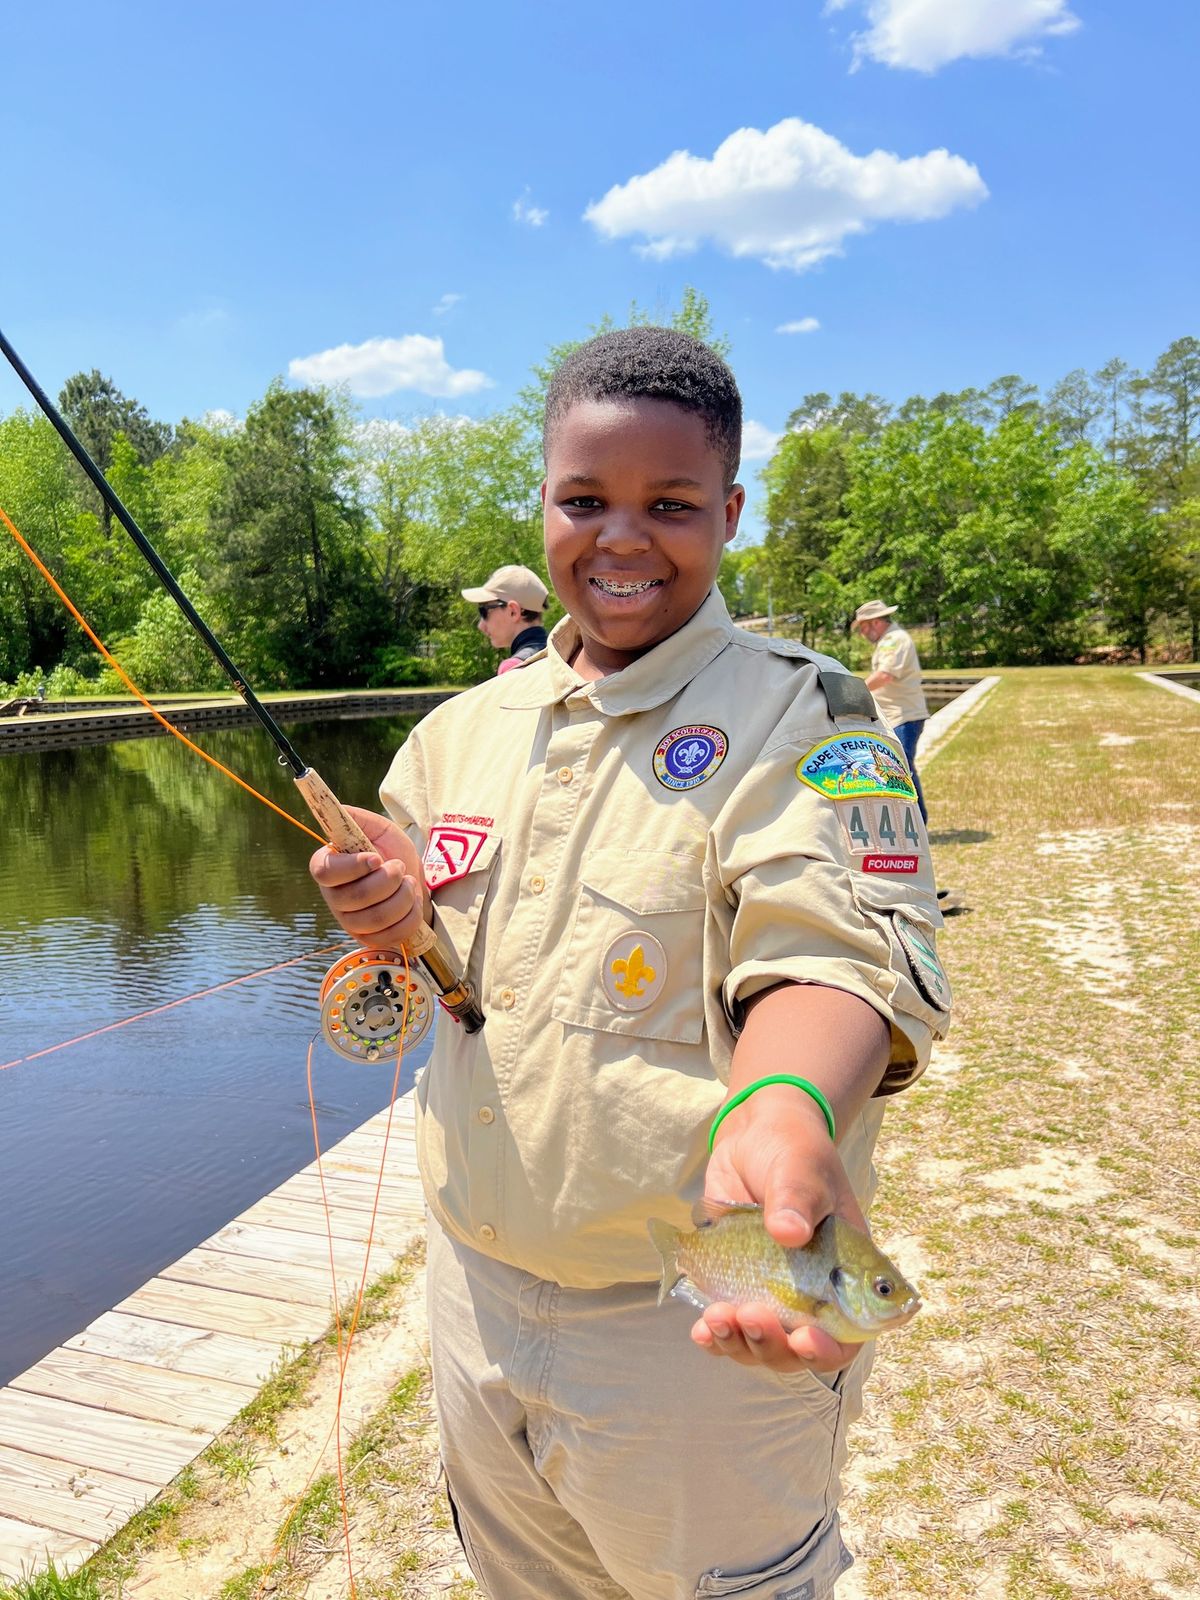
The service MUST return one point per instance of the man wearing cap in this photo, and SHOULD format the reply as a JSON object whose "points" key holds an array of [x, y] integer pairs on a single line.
{"points": [[895, 680], [510, 604]]}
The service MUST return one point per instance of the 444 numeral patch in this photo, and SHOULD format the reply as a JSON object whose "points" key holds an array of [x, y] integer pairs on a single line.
{"points": [[883, 831]]}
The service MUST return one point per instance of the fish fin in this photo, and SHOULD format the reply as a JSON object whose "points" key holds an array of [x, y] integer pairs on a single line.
{"points": [[707, 1211], [665, 1239]]}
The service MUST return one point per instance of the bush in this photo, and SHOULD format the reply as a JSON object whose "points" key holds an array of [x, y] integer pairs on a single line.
{"points": [[394, 668], [65, 682]]}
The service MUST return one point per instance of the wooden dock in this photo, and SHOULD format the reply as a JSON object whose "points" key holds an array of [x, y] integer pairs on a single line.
{"points": [[100, 1426]]}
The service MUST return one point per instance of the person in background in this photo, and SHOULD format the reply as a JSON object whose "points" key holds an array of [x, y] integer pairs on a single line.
{"points": [[510, 604], [895, 681]]}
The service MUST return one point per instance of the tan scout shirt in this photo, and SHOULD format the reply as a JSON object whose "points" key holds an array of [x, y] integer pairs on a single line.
{"points": [[902, 700], [619, 865]]}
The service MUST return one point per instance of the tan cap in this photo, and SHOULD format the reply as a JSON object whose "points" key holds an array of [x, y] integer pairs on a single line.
{"points": [[511, 583], [872, 609]]}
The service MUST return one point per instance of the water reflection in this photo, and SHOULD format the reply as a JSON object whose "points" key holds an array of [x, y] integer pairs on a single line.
{"points": [[136, 876]]}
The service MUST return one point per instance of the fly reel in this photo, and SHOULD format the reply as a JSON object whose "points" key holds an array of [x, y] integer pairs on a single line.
{"points": [[370, 1010]]}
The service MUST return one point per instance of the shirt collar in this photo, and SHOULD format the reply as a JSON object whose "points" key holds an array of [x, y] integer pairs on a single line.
{"points": [[650, 681]]}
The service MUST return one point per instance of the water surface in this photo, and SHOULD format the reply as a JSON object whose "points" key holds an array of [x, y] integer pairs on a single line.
{"points": [[134, 876]]}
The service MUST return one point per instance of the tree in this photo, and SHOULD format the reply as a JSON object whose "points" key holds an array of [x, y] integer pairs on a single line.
{"points": [[1073, 405], [40, 494], [806, 482], [1173, 418], [288, 537]]}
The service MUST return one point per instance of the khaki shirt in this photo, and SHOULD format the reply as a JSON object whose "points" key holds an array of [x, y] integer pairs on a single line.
{"points": [[902, 700], [618, 867]]}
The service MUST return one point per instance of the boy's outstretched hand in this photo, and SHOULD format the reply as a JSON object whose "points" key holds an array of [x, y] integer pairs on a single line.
{"points": [[379, 898], [774, 1150]]}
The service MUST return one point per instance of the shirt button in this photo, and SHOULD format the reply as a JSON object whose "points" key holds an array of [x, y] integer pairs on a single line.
{"points": [[565, 775], [537, 883], [508, 998], [487, 1232], [486, 1114]]}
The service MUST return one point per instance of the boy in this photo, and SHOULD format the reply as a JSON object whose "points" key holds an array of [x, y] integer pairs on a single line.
{"points": [[684, 859]]}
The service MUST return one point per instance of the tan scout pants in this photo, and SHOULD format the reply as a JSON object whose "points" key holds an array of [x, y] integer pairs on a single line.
{"points": [[592, 1450]]}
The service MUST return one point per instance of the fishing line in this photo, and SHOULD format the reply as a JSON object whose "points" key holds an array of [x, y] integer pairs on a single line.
{"points": [[154, 1011]]}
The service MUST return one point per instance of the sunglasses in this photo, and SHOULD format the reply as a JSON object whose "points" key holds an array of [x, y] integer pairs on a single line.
{"points": [[491, 605]]}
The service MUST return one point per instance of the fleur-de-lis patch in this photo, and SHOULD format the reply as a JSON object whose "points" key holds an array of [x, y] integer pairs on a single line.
{"points": [[633, 971]]}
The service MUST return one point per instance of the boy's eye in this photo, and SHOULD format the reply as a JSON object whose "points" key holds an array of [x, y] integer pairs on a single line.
{"points": [[671, 505], [582, 502]]}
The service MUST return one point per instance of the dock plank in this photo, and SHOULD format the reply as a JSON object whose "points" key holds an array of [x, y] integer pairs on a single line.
{"points": [[151, 1452], [69, 1499], [175, 1348], [285, 1244], [224, 1312], [274, 1280], [136, 1390], [25, 1548]]}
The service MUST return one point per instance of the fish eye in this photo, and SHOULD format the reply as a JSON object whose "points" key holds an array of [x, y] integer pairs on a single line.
{"points": [[884, 1287]]}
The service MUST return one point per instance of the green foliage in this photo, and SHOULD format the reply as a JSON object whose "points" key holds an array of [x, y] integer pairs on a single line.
{"points": [[54, 1585], [395, 668]]}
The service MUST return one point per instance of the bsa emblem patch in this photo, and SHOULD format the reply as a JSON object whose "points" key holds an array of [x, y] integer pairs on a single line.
{"points": [[687, 756], [451, 853], [633, 971], [854, 766], [923, 962]]}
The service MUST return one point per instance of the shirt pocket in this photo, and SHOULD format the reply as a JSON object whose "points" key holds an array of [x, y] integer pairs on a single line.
{"points": [[634, 957], [458, 902], [908, 917]]}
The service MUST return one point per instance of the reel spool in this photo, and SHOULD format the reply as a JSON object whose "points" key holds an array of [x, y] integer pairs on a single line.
{"points": [[363, 1006]]}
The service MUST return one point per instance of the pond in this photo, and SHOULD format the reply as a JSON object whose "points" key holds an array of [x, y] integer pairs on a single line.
{"points": [[136, 882]]}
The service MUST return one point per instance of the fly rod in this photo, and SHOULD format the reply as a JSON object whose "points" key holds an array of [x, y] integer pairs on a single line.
{"points": [[363, 993]]}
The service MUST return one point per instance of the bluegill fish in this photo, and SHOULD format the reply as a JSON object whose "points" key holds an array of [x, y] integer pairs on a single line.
{"points": [[839, 1280]]}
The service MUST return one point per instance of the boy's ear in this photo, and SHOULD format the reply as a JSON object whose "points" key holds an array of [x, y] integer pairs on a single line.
{"points": [[542, 491], [735, 500]]}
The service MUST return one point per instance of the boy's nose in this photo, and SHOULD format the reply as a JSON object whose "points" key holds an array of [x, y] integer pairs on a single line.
{"points": [[623, 531]]}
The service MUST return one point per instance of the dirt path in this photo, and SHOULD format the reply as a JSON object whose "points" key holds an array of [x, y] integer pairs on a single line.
{"points": [[1034, 1435]]}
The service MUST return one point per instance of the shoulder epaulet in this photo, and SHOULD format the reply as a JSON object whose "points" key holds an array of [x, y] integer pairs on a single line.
{"points": [[846, 695], [787, 647]]}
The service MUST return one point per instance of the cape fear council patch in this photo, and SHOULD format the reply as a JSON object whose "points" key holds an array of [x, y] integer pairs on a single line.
{"points": [[687, 756], [851, 766]]}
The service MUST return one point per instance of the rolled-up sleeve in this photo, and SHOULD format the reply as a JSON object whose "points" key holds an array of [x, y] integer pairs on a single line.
{"points": [[805, 909]]}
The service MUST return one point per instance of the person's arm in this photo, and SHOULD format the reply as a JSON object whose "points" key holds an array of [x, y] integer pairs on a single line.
{"points": [[876, 680], [379, 898], [774, 1149]]}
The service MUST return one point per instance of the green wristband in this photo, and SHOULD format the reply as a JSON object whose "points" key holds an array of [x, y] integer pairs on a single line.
{"points": [[762, 1083]]}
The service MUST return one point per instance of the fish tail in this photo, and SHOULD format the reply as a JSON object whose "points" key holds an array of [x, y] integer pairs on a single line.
{"points": [[666, 1242]]}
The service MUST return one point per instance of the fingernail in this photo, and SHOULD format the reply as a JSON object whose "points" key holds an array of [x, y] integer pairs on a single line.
{"points": [[374, 863], [752, 1333], [720, 1329]]}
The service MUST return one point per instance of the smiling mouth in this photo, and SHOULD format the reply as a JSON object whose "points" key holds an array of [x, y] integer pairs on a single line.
{"points": [[623, 591]]}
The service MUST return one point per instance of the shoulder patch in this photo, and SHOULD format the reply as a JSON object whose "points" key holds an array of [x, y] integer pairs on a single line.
{"points": [[847, 696], [854, 766]]}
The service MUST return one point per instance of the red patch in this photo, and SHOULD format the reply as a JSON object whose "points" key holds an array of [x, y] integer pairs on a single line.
{"points": [[891, 863], [451, 853]]}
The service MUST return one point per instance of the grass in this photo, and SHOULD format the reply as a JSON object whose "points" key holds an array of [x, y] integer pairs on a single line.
{"points": [[1046, 1166]]}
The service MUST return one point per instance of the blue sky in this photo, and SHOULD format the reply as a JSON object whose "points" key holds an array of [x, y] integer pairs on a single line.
{"points": [[419, 200]]}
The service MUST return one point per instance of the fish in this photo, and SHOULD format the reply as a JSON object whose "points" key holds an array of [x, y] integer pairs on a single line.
{"points": [[840, 1280]]}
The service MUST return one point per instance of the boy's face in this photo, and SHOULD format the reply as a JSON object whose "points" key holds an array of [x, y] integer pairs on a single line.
{"points": [[636, 517]]}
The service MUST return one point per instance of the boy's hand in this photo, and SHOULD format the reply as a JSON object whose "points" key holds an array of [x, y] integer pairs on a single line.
{"points": [[379, 898], [774, 1150]]}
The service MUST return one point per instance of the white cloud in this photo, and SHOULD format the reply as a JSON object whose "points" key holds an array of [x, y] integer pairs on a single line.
{"points": [[446, 303], [926, 34], [788, 196], [758, 442], [221, 421], [381, 366], [804, 325], [524, 210]]}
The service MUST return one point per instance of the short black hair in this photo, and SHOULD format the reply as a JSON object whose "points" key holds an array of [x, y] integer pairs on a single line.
{"points": [[652, 363]]}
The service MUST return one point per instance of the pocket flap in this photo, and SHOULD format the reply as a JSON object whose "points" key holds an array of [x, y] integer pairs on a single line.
{"points": [[645, 881]]}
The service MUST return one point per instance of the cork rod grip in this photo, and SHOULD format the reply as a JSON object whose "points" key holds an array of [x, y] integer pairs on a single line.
{"points": [[344, 833]]}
